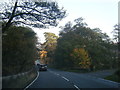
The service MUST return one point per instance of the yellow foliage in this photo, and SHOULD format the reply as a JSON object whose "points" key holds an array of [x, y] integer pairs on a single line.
{"points": [[43, 54], [81, 57]]}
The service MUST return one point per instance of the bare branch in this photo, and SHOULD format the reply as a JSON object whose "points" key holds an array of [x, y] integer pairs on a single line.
{"points": [[42, 13]]}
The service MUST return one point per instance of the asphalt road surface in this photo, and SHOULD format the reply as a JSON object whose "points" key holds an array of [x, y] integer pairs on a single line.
{"points": [[62, 79]]}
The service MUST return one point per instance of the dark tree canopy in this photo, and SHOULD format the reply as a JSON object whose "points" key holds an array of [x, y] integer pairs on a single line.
{"points": [[77, 39], [18, 50], [36, 14], [116, 33]]}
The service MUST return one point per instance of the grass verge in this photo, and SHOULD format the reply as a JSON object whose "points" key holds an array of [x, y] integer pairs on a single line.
{"points": [[113, 77]]}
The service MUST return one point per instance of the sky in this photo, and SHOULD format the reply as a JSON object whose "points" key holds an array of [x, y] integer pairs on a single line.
{"points": [[101, 14]]}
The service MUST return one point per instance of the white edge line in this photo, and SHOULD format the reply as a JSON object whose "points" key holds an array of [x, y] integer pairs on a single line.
{"points": [[65, 78], [108, 80], [103, 79], [76, 87], [32, 81]]}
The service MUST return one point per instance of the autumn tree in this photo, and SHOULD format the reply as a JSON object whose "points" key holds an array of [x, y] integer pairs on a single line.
{"points": [[40, 14], [81, 58], [97, 44], [43, 55], [50, 45]]}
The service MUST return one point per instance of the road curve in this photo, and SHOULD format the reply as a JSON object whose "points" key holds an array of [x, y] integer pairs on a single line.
{"points": [[61, 79], [48, 79]]}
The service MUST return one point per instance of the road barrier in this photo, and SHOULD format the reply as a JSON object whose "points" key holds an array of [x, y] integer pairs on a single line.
{"points": [[20, 80]]}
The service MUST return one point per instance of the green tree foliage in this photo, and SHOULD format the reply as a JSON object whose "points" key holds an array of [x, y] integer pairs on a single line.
{"points": [[97, 44], [18, 50], [39, 14], [116, 33], [50, 44], [116, 38]]}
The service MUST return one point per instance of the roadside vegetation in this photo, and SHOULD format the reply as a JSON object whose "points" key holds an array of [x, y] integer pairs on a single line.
{"points": [[19, 81], [78, 47], [18, 56], [115, 77], [81, 48], [19, 50], [19, 41]]}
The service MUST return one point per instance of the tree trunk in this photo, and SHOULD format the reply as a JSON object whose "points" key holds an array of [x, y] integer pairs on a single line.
{"points": [[8, 24]]}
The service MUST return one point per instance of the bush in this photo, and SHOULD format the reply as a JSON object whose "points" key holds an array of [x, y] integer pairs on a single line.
{"points": [[115, 78]]}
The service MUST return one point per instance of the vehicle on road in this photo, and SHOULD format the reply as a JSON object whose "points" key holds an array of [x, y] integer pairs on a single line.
{"points": [[42, 67]]}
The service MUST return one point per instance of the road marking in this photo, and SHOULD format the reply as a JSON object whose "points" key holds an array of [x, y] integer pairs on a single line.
{"points": [[57, 74], [32, 81], [65, 78], [54, 73], [109, 80], [51, 71], [76, 87]]}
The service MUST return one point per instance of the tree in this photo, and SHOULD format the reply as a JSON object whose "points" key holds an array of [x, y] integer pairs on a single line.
{"points": [[18, 50], [81, 58], [116, 37], [43, 55], [79, 22], [116, 33], [51, 39], [66, 28], [40, 14], [50, 44], [97, 44]]}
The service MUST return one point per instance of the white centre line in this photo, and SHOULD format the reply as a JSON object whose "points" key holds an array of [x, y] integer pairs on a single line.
{"points": [[57, 74], [76, 87], [65, 78]]}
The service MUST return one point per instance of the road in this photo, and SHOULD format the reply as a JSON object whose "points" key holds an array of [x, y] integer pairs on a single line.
{"points": [[61, 79]]}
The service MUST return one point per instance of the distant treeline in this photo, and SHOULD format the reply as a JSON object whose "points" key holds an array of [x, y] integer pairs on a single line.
{"points": [[82, 47]]}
